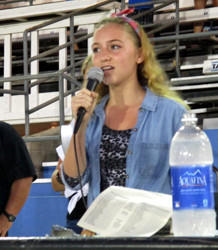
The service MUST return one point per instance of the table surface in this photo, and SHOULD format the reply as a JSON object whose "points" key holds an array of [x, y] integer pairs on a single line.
{"points": [[81, 242]]}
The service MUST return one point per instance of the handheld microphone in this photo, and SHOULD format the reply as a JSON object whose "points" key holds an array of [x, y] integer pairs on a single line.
{"points": [[94, 76]]}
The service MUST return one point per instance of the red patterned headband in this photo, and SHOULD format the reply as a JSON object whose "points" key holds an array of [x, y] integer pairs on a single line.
{"points": [[128, 20]]}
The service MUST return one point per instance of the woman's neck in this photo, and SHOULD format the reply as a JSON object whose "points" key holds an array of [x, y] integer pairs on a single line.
{"points": [[126, 97], [121, 111]]}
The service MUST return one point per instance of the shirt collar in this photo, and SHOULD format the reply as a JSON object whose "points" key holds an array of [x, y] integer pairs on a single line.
{"points": [[150, 100]]}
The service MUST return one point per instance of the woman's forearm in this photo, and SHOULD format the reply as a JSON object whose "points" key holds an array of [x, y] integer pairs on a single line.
{"points": [[70, 163]]}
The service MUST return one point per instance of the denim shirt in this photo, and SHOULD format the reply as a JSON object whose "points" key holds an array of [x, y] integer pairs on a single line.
{"points": [[147, 162]]}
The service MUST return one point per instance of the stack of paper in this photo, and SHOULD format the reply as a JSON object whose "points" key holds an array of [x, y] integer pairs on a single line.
{"points": [[121, 211]]}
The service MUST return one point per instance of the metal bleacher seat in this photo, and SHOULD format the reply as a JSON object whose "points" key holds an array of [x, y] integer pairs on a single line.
{"points": [[197, 81]]}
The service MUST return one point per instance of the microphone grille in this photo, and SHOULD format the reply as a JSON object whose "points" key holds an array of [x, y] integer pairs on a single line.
{"points": [[95, 73]]}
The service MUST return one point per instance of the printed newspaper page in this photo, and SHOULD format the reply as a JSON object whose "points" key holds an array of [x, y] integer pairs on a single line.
{"points": [[121, 211]]}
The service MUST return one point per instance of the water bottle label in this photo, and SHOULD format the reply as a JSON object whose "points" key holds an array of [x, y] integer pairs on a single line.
{"points": [[192, 187]]}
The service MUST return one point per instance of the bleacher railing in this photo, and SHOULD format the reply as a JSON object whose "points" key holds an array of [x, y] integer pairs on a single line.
{"points": [[68, 73]]}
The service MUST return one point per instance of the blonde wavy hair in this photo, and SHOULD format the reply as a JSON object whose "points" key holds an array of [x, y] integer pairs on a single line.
{"points": [[150, 72]]}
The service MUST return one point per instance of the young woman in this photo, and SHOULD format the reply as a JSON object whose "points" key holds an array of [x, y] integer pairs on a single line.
{"points": [[125, 135], [74, 213]]}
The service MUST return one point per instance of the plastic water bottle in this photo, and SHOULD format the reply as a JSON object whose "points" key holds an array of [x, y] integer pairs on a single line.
{"points": [[191, 161]]}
